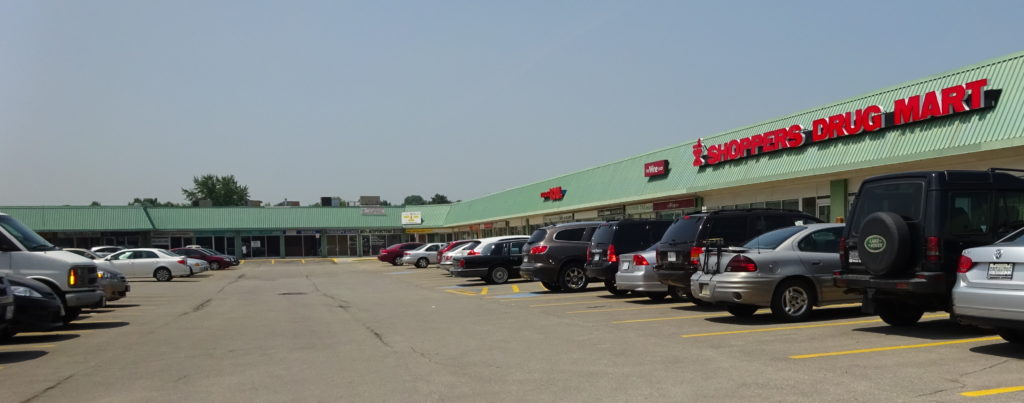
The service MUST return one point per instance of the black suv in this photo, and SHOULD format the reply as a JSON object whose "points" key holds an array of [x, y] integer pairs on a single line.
{"points": [[618, 237], [681, 248], [906, 231], [556, 254]]}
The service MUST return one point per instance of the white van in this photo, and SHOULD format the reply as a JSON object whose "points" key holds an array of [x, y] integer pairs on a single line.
{"points": [[72, 277]]}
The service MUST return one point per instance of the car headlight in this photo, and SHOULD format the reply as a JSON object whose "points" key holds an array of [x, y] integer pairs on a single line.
{"points": [[25, 291], [101, 274]]}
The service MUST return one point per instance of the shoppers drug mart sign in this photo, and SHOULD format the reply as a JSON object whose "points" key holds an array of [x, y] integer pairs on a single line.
{"points": [[873, 118]]}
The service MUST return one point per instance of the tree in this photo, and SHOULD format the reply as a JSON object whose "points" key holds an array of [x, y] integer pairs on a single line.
{"points": [[220, 190], [150, 202], [385, 203], [95, 203], [414, 200], [439, 199]]}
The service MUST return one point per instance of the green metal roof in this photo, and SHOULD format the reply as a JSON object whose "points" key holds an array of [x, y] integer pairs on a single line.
{"points": [[622, 182]]}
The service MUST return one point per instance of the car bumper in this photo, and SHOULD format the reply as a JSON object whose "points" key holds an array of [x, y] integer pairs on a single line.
{"points": [[678, 278], [37, 315], [114, 290], [461, 272], [605, 271], [645, 281], [83, 298], [733, 288], [540, 272], [987, 304]]}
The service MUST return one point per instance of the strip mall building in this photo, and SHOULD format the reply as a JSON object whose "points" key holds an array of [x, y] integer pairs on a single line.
{"points": [[814, 160]]}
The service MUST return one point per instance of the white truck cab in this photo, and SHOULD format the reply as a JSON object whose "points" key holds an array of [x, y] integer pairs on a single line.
{"points": [[72, 277]]}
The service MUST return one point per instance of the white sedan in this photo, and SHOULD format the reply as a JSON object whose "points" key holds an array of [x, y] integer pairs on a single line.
{"points": [[146, 262]]}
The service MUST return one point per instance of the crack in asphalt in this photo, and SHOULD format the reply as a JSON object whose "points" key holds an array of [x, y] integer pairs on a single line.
{"points": [[345, 306], [986, 368], [49, 388], [202, 305]]}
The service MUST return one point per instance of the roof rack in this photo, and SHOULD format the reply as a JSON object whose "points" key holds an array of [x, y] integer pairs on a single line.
{"points": [[1005, 169]]}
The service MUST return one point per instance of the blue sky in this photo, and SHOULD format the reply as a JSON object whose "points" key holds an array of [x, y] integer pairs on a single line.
{"points": [[110, 100]]}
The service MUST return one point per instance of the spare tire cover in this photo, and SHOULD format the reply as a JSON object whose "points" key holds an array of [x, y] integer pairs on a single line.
{"points": [[884, 243]]}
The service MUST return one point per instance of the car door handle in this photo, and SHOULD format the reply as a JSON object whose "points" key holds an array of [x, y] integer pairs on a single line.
{"points": [[816, 262]]}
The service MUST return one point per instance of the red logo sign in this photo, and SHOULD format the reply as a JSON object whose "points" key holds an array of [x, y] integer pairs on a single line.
{"points": [[872, 118], [656, 168], [675, 204], [555, 193]]}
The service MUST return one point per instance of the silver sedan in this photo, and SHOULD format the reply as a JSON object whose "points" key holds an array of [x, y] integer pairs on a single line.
{"points": [[989, 287], [788, 269], [423, 256], [636, 274]]}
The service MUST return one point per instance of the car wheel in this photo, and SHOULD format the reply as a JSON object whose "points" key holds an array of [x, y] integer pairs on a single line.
{"points": [[71, 314], [572, 278], [7, 333], [793, 301], [190, 272], [899, 314], [422, 263], [1015, 336], [742, 311], [657, 296], [214, 265], [610, 286], [677, 293], [498, 275], [551, 286], [162, 274], [395, 262]]}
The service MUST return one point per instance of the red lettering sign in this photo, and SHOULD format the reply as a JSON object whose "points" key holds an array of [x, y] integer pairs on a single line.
{"points": [[675, 204], [555, 193], [948, 101], [656, 168]]}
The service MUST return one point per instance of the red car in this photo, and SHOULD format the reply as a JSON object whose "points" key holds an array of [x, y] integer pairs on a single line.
{"points": [[394, 252], [450, 246], [217, 261]]}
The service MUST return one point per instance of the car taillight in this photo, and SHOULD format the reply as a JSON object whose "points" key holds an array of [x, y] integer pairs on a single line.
{"points": [[383, 251], [695, 253], [844, 255], [538, 250], [965, 264], [640, 260], [462, 263], [657, 256], [740, 263], [931, 252], [588, 255], [406, 253], [472, 253], [612, 256], [182, 261], [72, 277]]}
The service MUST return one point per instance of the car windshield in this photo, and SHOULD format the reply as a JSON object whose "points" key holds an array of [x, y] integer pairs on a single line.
{"points": [[468, 246], [28, 238], [603, 234], [168, 253], [211, 251], [420, 248], [772, 239]]}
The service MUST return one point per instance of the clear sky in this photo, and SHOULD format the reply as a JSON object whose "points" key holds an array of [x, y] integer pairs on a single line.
{"points": [[111, 100]]}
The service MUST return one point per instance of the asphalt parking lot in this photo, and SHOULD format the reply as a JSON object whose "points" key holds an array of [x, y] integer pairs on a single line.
{"points": [[322, 330]]}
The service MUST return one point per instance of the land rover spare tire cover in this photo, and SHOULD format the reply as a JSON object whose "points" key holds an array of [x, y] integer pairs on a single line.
{"points": [[884, 243]]}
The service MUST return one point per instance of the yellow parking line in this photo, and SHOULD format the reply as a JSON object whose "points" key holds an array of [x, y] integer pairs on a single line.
{"points": [[334, 260], [483, 291], [775, 329], [713, 315], [547, 297], [272, 261], [460, 292], [622, 309], [515, 288], [241, 262], [995, 391], [877, 349], [26, 346], [303, 261], [585, 302]]}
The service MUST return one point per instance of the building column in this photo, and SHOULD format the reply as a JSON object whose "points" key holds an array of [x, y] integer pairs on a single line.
{"points": [[281, 240], [838, 199], [238, 246], [323, 243]]}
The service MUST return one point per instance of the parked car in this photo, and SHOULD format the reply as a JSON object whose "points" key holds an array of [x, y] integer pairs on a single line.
{"points": [[392, 254], [422, 256], [989, 287], [557, 254], [104, 251], [113, 283], [83, 253], [618, 237], [36, 308], [788, 269], [682, 246], [906, 232], [195, 266], [73, 278], [448, 258], [215, 260], [451, 246], [148, 262], [496, 263], [6, 304], [636, 274]]}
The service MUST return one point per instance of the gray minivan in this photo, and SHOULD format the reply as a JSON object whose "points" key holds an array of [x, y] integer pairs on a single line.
{"points": [[555, 255]]}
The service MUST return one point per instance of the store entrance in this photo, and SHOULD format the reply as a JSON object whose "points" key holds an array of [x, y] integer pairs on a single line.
{"points": [[301, 246], [261, 246]]}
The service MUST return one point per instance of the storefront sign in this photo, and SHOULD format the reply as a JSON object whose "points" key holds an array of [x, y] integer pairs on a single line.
{"points": [[488, 225], [419, 231], [381, 231], [341, 232], [412, 218], [558, 218], [640, 208], [611, 212], [160, 241], [675, 204], [301, 232], [946, 102], [373, 211], [656, 168], [555, 193]]}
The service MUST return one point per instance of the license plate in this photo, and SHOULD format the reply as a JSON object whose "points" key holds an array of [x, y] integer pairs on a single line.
{"points": [[705, 291], [597, 257], [8, 312], [671, 256], [854, 257], [1000, 271], [625, 265]]}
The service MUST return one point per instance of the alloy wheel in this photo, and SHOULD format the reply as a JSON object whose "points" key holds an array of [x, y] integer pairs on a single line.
{"points": [[795, 300]]}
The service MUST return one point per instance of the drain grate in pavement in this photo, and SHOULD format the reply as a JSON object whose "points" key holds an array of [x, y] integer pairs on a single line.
{"points": [[291, 293]]}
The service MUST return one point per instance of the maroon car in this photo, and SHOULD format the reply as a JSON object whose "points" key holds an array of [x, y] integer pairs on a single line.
{"points": [[394, 252], [217, 261], [450, 246]]}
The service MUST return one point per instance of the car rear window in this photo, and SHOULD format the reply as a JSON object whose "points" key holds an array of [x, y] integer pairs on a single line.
{"points": [[1016, 238], [634, 236], [538, 236], [684, 230], [603, 234], [572, 234], [903, 198], [469, 245], [772, 239]]}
